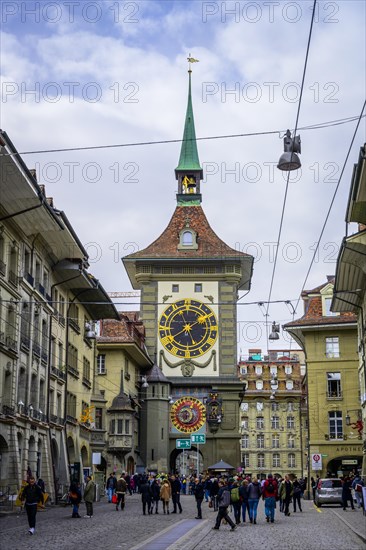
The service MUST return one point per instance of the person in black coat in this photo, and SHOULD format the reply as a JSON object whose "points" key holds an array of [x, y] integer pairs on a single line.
{"points": [[155, 495], [346, 493], [199, 493], [75, 498], [32, 495], [176, 487], [146, 494]]}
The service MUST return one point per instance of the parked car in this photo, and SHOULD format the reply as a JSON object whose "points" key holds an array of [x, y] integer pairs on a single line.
{"points": [[328, 491]]}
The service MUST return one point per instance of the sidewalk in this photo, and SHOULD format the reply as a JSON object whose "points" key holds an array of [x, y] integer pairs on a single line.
{"points": [[354, 519]]}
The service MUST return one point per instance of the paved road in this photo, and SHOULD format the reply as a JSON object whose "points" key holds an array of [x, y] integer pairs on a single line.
{"points": [[129, 530]]}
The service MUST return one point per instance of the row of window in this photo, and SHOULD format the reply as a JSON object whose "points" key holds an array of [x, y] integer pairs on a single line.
{"points": [[273, 369], [259, 384], [120, 426], [275, 422], [276, 460], [275, 406], [260, 443]]}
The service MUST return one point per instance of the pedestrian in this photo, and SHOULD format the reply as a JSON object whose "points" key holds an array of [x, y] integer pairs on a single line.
{"points": [[270, 488], [296, 496], [235, 500], [128, 481], [244, 495], [89, 493], [165, 494], [176, 487], [155, 495], [32, 495], [357, 485], [346, 493], [223, 498], [75, 498], [199, 493], [254, 494], [214, 489], [111, 486], [146, 494], [121, 489], [313, 487], [286, 493]]}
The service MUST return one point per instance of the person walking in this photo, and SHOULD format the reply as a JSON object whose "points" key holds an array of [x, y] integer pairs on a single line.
{"points": [[296, 496], [31, 495], [121, 489], [89, 493], [357, 485], [223, 499], [176, 488], [286, 493], [235, 500], [146, 494], [313, 487], [155, 495], [346, 493], [214, 489], [254, 494], [75, 498], [199, 493], [270, 488], [244, 495], [111, 486], [165, 494]]}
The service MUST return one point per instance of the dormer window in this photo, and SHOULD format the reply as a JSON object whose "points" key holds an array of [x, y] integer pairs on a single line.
{"points": [[187, 239]]}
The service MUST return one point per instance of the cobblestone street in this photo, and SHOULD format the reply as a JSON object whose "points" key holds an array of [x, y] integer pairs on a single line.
{"points": [[329, 528]]}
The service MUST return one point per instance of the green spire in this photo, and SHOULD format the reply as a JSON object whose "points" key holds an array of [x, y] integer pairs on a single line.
{"points": [[188, 160]]}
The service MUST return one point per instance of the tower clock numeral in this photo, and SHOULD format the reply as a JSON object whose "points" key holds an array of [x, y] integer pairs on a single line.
{"points": [[210, 341], [174, 350], [166, 340]]}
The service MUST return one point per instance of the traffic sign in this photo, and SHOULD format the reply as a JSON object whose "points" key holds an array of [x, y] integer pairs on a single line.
{"points": [[182, 443], [198, 438]]}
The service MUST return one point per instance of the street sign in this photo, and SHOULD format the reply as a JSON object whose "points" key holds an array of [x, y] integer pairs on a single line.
{"points": [[182, 443], [198, 438], [316, 460]]}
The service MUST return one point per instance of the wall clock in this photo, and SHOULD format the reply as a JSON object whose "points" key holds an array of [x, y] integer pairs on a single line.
{"points": [[188, 414], [188, 328]]}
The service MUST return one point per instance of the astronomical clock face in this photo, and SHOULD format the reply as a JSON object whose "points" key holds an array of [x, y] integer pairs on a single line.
{"points": [[188, 328], [188, 414]]}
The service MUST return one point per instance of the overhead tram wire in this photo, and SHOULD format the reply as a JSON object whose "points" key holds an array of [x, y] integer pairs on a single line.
{"points": [[332, 201], [318, 126], [288, 173]]}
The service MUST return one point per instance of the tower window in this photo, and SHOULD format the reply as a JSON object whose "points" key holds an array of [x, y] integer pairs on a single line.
{"points": [[187, 239], [175, 288], [198, 287]]}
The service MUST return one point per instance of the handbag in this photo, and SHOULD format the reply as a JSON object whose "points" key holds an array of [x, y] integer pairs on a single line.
{"points": [[73, 496], [114, 499], [210, 504]]}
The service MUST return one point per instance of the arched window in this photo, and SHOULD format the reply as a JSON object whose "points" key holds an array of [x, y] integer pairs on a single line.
{"points": [[187, 238]]}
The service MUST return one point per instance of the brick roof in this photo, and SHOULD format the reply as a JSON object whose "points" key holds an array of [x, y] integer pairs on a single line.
{"points": [[123, 330], [209, 244], [314, 314]]}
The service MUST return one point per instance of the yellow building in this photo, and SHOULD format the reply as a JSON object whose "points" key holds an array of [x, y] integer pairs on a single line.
{"points": [[350, 286], [330, 344], [271, 414], [121, 368]]}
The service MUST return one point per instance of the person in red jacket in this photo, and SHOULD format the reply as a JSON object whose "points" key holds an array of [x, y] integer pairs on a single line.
{"points": [[269, 495]]}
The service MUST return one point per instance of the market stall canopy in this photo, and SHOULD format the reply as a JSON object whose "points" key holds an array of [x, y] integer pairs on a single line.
{"points": [[221, 466]]}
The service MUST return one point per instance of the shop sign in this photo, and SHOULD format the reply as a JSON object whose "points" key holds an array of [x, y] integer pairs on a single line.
{"points": [[350, 461]]}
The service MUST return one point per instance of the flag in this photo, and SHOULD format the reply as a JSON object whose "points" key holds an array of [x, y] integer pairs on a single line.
{"points": [[192, 60]]}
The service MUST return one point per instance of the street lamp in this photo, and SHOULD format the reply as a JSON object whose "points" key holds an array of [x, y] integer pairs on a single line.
{"points": [[289, 160]]}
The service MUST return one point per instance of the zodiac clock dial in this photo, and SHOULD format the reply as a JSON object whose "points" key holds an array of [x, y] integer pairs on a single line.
{"points": [[188, 328], [188, 414]]}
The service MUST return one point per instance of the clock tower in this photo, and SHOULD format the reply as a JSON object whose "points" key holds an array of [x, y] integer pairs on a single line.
{"points": [[189, 281]]}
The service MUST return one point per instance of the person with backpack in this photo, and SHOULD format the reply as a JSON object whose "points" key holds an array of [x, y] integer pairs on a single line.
{"points": [[269, 494], [223, 499], [254, 494], [235, 501]]}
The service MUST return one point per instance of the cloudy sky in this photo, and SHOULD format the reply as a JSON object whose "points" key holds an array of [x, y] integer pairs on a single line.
{"points": [[80, 73]]}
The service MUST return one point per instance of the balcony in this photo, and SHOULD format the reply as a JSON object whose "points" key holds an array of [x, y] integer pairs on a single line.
{"points": [[57, 372], [25, 342], [13, 279], [61, 319], [120, 443], [2, 338], [71, 419], [86, 382], [74, 372], [36, 349], [335, 394], [41, 289], [11, 343], [2, 268], [8, 411], [74, 325]]}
